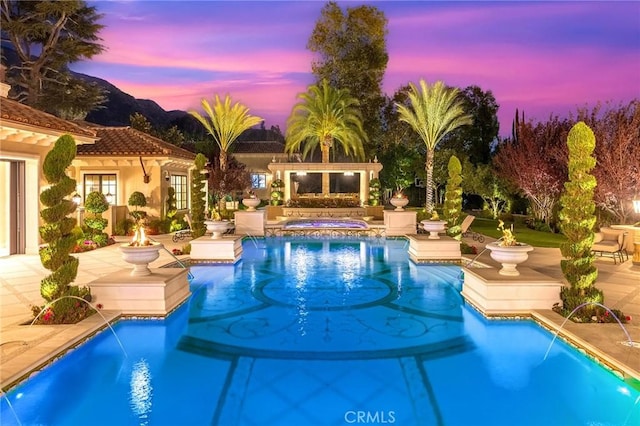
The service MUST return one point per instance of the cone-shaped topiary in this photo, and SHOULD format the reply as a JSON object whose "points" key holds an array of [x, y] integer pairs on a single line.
{"points": [[453, 199], [96, 204], [171, 203], [56, 233], [577, 220], [197, 197]]}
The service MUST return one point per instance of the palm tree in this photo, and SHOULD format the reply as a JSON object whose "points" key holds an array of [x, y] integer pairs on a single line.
{"points": [[434, 111], [323, 116], [225, 123]]}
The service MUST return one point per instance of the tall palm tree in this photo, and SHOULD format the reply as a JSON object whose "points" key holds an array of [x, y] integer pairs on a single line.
{"points": [[325, 115], [225, 122], [434, 111]]}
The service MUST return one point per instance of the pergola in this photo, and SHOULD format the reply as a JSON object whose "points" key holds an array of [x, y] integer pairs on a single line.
{"points": [[364, 171]]}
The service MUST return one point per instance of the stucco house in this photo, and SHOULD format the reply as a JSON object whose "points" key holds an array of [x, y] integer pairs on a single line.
{"points": [[124, 160], [114, 160], [26, 136]]}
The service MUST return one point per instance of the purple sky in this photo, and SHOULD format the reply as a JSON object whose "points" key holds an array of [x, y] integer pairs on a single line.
{"points": [[541, 57]]}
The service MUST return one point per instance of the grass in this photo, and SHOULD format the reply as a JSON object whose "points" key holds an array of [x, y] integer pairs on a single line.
{"points": [[522, 233]]}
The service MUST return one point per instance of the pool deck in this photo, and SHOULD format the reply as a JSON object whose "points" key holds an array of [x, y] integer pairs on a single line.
{"points": [[26, 349]]}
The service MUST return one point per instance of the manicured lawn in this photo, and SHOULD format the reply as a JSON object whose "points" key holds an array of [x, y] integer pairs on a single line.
{"points": [[522, 233]]}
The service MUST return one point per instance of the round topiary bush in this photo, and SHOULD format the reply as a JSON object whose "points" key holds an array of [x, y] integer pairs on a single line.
{"points": [[96, 204], [137, 199]]}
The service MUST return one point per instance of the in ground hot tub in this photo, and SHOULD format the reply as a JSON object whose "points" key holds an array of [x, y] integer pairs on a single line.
{"points": [[324, 223]]}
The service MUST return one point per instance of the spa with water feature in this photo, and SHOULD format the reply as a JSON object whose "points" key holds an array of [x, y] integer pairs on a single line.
{"points": [[324, 331]]}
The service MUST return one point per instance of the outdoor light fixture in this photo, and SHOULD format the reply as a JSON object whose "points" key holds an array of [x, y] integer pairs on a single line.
{"points": [[167, 176], [109, 198], [76, 198]]}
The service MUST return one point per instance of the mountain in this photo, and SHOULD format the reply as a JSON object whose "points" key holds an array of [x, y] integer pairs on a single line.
{"points": [[120, 106]]}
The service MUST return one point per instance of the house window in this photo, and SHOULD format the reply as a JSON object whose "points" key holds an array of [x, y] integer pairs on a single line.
{"points": [[258, 180], [179, 184], [104, 183]]}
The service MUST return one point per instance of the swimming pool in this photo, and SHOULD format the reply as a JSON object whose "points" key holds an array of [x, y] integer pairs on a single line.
{"points": [[320, 332]]}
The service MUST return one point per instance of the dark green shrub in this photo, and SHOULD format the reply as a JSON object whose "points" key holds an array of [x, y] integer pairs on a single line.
{"points": [[124, 227], [60, 238]]}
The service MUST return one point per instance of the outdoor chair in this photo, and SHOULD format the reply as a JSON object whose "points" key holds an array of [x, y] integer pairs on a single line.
{"points": [[184, 233], [466, 232], [610, 242]]}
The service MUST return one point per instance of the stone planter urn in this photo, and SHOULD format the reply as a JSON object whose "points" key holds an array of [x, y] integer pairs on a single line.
{"points": [[251, 203], [140, 256], [434, 227], [399, 203], [509, 256], [217, 228]]}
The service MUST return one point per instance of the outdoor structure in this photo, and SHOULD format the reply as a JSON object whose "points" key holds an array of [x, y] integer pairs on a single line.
{"points": [[256, 156], [125, 160], [294, 175], [26, 136]]}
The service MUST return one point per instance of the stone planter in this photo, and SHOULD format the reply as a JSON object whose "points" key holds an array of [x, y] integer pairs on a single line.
{"points": [[217, 228], [509, 256], [433, 227], [399, 203], [251, 203], [140, 257]]}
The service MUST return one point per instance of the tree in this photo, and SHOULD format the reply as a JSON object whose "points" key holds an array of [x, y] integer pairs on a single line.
{"points": [[71, 98], [47, 36], [434, 111], [577, 219], [352, 54], [485, 182], [617, 130], [536, 164], [223, 183], [225, 122], [56, 233], [453, 199], [476, 141], [140, 122], [325, 115]]}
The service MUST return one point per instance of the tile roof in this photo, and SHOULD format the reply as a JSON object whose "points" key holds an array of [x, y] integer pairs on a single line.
{"points": [[258, 147], [14, 111], [125, 141]]}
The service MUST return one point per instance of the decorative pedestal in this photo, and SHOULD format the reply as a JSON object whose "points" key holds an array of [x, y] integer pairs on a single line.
{"points": [[496, 294], [399, 203], [424, 249], [217, 228], [227, 249], [399, 223], [250, 223], [251, 203], [156, 294], [510, 256], [434, 227]]}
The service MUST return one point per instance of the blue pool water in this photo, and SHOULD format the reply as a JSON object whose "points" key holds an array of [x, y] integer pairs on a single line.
{"points": [[319, 332]]}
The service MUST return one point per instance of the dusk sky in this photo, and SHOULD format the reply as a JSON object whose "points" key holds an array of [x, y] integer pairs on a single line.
{"points": [[541, 57]]}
